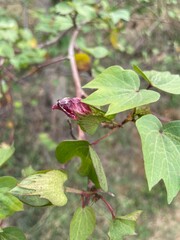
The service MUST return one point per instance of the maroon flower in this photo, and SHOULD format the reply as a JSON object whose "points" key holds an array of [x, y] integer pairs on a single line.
{"points": [[72, 107]]}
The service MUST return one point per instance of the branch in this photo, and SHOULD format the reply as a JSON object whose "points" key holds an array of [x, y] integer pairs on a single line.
{"points": [[45, 64], [114, 128], [75, 73], [54, 40], [76, 78]]}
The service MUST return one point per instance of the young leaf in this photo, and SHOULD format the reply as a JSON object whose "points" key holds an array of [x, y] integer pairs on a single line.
{"points": [[6, 152], [48, 185], [89, 167], [8, 203], [123, 226], [161, 150], [99, 169], [12, 233], [82, 224], [120, 89]]}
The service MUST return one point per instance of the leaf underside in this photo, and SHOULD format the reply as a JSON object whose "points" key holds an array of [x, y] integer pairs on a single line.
{"points": [[47, 185]]}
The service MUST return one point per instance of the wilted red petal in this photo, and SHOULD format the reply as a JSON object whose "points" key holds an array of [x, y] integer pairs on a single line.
{"points": [[72, 107]]}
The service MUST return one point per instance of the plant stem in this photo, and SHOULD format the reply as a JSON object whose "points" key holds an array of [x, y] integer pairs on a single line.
{"points": [[105, 136], [45, 64], [75, 74], [77, 81], [108, 205], [129, 118]]}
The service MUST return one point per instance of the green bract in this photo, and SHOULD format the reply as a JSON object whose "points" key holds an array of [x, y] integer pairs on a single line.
{"points": [[120, 89], [161, 150]]}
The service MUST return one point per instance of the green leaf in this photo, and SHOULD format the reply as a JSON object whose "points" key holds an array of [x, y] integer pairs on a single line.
{"points": [[48, 185], [120, 14], [161, 150], [85, 11], [82, 224], [63, 8], [8, 203], [120, 89], [6, 152], [97, 52], [99, 169], [123, 226], [67, 150], [164, 81], [90, 123], [140, 72], [12, 233], [6, 49]]}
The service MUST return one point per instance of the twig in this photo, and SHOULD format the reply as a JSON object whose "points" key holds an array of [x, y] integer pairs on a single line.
{"points": [[71, 129], [54, 40], [45, 64], [105, 136], [108, 205], [114, 128]]}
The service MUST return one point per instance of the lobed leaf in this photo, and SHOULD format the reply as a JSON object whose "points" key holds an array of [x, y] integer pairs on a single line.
{"points": [[82, 224], [164, 81], [120, 89], [48, 186], [161, 150]]}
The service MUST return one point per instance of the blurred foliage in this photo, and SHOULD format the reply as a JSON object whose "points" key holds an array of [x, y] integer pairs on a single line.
{"points": [[141, 32]]}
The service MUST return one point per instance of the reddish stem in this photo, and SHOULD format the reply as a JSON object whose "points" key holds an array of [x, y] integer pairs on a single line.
{"points": [[108, 205]]}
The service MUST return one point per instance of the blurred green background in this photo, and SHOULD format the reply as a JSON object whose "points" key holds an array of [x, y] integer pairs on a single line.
{"points": [[146, 34]]}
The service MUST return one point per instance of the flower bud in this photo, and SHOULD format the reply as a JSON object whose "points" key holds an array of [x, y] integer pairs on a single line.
{"points": [[72, 107]]}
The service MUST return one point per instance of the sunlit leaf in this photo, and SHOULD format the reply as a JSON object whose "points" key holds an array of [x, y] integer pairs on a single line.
{"points": [[48, 185], [120, 89], [164, 81], [82, 224], [161, 150]]}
